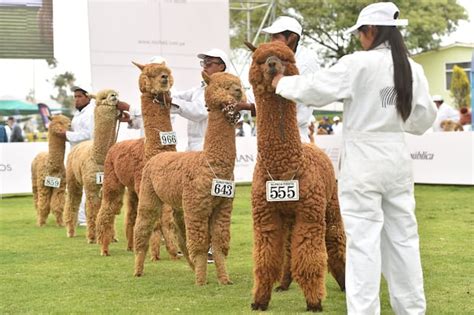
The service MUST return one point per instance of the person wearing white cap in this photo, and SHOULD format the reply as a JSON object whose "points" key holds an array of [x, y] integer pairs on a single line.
{"points": [[289, 31], [385, 94], [337, 126], [190, 104], [445, 112]]}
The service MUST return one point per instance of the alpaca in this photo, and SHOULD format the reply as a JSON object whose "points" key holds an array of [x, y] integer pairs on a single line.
{"points": [[85, 164], [184, 180], [48, 175], [311, 222], [125, 161], [450, 125]]}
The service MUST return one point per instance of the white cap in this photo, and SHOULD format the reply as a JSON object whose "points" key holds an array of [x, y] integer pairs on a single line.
{"points": [[216, 53], [437, 98], [336, 118], [284, 23], [380, 13], [157, 59]]}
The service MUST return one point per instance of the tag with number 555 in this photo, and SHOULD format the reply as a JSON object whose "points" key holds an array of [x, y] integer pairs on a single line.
{"points": [[283, 190]]}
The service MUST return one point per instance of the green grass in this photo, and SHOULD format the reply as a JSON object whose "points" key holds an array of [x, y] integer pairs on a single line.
{"points": [[42, 271]]}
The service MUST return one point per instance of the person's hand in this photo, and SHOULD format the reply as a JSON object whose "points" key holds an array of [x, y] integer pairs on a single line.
{"points": [[125, 117], [123, 106], [164, 98], [276, 79], [243, 106]]}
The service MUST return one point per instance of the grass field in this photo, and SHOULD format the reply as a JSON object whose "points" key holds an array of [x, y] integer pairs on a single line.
{"points": [[42, 271]]}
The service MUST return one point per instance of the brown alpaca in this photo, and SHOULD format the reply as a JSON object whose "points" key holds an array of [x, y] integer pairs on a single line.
{"points": [[184, 180], [51, 164], [313, 223], [449, 125], [125, 161], [85, 163]]}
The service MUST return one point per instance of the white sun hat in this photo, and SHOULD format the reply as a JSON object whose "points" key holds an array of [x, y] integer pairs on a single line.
{"points": [[437, 98], [336, 118], [380, 13], [216, 53], [157, 59], [284, 23]]}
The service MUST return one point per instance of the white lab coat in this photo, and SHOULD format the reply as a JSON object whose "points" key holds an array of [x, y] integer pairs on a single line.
{"points": [[376, 182], [82, 125], [191, 105], [306, 61], [445, 112]]}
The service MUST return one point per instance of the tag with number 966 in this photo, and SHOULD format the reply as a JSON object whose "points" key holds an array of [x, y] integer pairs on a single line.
{"points": [[168, 138], [223, 188], [283, 190], [50, 181]]}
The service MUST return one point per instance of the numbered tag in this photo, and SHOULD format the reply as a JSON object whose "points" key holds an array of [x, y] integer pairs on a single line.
{"points": [[223, 188], [168, 138], [99, 178], [51, 181], [283, 190]]}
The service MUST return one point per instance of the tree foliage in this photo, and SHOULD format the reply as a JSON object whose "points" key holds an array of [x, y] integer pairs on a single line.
{"points": [[460, 87], [63, 83], [324, 22]]}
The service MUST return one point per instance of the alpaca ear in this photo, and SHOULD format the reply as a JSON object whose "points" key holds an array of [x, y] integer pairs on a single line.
{"points": [[93, 96], [206, 77], [50, 118], [138, 65], [250, 46]]}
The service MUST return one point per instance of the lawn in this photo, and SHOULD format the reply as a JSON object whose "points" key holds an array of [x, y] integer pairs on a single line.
{"points": [[42, 271]]}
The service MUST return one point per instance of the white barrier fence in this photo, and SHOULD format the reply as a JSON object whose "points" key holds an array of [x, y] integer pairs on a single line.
{"points": [[439, 158]]}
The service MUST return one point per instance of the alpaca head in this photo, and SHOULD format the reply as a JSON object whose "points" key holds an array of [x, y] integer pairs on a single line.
{"points": [[106, 97], [58, 124], [155, 78], [223, 91], [268, 60], [449, 125]]}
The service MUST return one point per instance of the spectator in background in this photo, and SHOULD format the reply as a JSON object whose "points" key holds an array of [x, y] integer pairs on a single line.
{"points": [[16, 133], [326, 125], [465, 118], [3, 134], [337, 126], [445, 112]]}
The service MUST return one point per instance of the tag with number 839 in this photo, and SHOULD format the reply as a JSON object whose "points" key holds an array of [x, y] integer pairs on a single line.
{"points": [[283, 190], [50, 181], [223, 188]]}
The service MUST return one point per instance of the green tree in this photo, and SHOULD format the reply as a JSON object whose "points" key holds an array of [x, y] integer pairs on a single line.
{"points": [[460, 87], [324, 22], [63, 83]]}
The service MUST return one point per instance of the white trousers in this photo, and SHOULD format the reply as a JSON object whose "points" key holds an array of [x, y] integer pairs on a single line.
{"points": [[378, 209], [81, 215]]}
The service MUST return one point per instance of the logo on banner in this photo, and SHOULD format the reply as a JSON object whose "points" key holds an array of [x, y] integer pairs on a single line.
{"points": [[6, 168], [422, 155]]}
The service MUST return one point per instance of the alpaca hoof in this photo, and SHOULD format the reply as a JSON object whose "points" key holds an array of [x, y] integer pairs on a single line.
{"points": [[105, 253], [155, 258], [138, 274], [314, 307], [71, 234], [281, 288], [91, 241], [226, 282], [60, 224], [129, 249], [259, 306], [115, 240]]}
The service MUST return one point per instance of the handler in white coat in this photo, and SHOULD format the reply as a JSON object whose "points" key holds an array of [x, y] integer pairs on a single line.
{"points": [[376, 190]]}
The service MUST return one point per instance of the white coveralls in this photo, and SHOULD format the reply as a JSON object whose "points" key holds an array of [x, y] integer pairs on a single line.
{"points": [[192, 107], [82, 125], [376, 190], [445, 112]]}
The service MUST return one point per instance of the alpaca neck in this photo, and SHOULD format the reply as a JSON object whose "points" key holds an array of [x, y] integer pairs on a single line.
{"points": [[105, 122], [219, 144], [277, 131], [156, 119], [56, 149]]}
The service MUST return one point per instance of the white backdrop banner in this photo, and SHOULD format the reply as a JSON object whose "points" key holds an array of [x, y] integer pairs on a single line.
{"points": [[438, 158]]}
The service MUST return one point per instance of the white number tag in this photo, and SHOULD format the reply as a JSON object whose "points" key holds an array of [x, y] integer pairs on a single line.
{"points": [[223, 188], [99, 178], [168, 138], [283, 190], [50, 181]]}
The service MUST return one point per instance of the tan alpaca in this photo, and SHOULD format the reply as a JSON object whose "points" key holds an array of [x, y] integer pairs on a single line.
{"points": [[450, 125], [50, 195], [313, 222], [184, 180], [125, 161], [85, 164]]}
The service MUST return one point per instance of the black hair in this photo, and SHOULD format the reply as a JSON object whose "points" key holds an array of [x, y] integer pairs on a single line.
{"points": [[402, 74], [287, 34]]}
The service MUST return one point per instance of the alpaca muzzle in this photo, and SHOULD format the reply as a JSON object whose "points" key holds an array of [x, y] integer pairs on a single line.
{"points": [[274, 65]]}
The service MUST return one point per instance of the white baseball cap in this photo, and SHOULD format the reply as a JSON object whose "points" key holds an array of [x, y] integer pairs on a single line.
{"points": [[284, 23], [437, 98], [216, 53], [380, 13], [336, 118], [157, 59]]}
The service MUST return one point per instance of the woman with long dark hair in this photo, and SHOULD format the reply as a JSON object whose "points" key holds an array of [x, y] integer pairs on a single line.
{"points": [[385, 94]]}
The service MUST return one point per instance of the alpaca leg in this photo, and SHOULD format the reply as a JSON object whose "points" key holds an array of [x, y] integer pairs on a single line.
{"points": [[34, 187], [168, 231], [269, 241], [155, 240], [309, 257], [57, 204], [92, 208], [149, 209], [44, 198], [110, 206], [130, 217], [220, 240], [286, 278], [73, 199], [336, 242], [181, 235]]}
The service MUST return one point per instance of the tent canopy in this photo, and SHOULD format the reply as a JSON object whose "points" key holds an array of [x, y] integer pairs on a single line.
{"points": [[17, 107]]}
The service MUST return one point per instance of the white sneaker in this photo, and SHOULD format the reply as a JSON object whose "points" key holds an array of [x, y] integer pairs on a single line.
{"points": [[82, 224]]}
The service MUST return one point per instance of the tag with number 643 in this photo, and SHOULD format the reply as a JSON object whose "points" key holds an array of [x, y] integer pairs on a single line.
{"points": [[283, 190], [223, 188], [99, 178]]}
